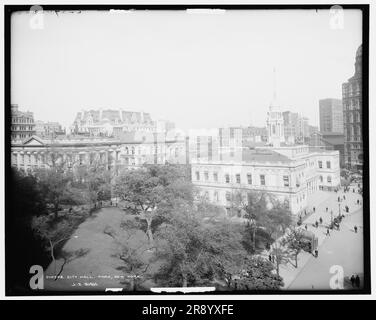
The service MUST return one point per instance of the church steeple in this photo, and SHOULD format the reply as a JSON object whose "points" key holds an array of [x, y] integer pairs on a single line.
{"points": [[274, 120], [274, 103]]}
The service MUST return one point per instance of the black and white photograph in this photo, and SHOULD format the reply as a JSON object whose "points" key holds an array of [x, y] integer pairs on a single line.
{"points": [[186, 150]]}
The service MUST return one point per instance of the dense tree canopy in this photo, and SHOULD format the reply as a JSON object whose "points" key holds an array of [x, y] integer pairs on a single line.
{"points": [[200, 251], [152, 191]]}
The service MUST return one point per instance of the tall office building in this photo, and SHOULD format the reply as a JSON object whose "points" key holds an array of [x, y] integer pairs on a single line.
{"points": [[352, 115], [331, 115], [22, 124]]}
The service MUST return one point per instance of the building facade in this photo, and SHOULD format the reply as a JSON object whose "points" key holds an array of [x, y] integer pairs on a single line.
{"points": [[331, 115], [330, 141], [111, 122], [292, 174], [352, 116], [22, 124], [127, 152]]}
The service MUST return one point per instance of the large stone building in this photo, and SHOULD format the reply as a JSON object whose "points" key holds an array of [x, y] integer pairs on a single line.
{"points": [[292, 173], [131, 150], [352, 115], [330, 141], [331, 115], [112, 122], [22, 124]]}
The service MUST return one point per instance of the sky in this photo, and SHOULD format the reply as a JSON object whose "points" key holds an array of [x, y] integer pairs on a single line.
{"points": [[198, 70]]}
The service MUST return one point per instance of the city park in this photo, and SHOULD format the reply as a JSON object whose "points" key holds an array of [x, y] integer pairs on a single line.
{"points": [[139, 229]]}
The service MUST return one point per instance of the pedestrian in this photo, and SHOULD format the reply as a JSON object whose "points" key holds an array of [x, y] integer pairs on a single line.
{"points": [[344, 198], [353, 190], [314, 209], [326, 209], [352, 279], [306, 227], [355, 229], [316, 253], [316, 224], [339, 199], [357, 201], [270, 257], [327, 232], [357, 281], [320, 220]]}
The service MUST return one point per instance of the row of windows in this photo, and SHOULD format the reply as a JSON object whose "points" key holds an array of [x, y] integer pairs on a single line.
{"points": [[22, 120], [24, 128], [286, 179], [328, 165], [21, 136], [328, 179]]}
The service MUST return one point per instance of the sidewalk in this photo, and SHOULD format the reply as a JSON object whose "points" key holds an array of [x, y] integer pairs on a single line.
{"points": [[320, 200]]}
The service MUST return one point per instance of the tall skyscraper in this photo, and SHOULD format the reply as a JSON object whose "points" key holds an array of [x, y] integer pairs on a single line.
{"points": [[352, 115], [331, 115]]}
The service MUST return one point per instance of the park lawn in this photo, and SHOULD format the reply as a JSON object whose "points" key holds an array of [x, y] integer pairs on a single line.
{"points": [[93, 264]]}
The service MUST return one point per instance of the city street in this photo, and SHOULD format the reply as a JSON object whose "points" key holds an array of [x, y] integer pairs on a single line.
{"points": [[343, 248]]}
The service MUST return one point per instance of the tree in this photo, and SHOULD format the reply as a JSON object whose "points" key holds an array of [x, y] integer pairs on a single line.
{"points": [[54, 233], [26, 202], [258, 275], [280, 253], [94, 180], [151, 192], [196, 250], [54, 184], [264, 212], [294, 241], [131, 252]]}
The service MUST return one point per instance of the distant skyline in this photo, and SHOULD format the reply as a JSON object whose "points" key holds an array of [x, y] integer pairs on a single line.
{"points": [[197, 70]]}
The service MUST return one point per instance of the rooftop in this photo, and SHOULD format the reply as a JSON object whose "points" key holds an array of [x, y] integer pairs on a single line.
{"points": [[262, 155]]}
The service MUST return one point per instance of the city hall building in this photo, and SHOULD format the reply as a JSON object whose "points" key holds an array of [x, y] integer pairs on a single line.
{"points": [[290, 172]]}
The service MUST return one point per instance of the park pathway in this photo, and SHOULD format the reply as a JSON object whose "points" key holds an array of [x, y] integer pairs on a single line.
{"points": [[92, 266]]}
